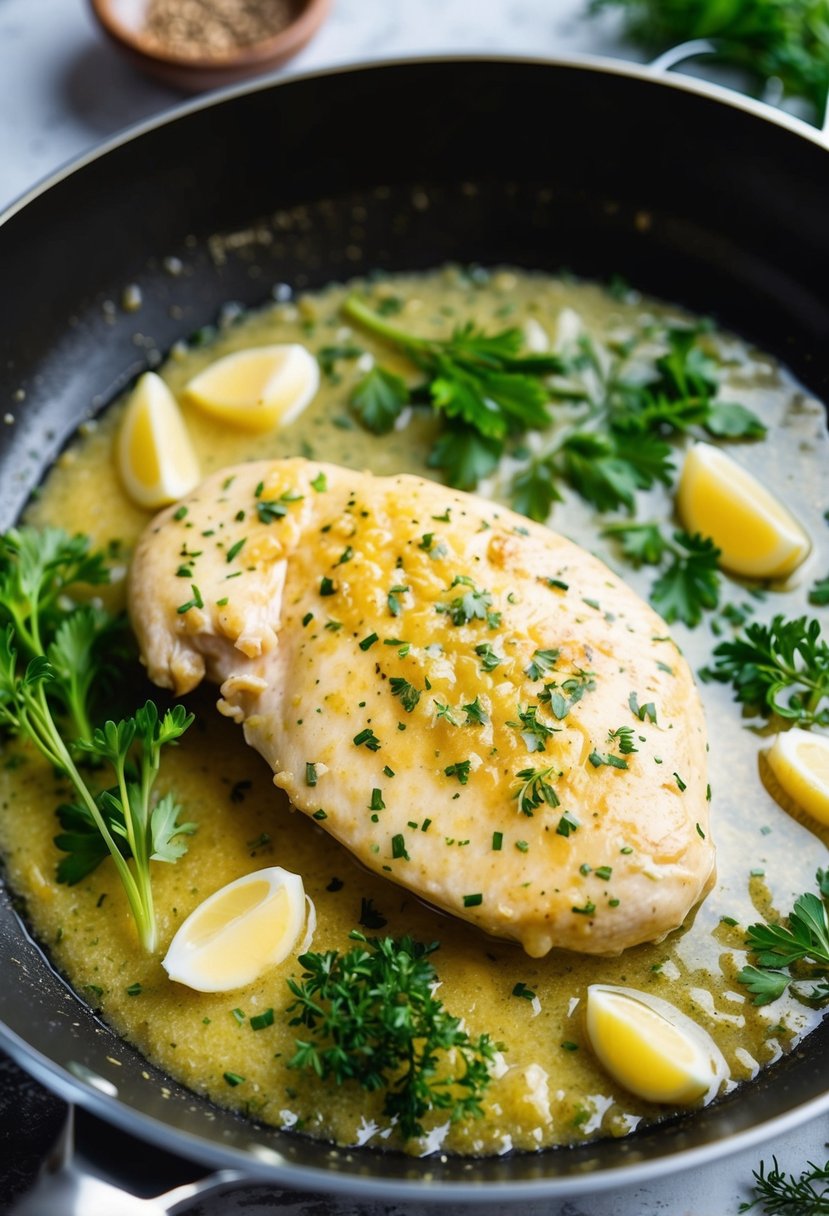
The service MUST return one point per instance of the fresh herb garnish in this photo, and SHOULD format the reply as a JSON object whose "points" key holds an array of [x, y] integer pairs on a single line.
{"points": [[480, 385], [784, 1194], [781, 668], [367, 737], [408, 694], [623, 737], [377, 1022], [689, 583], [533, 732], [780, 40], [819, 593], [473, 605], [562, 697], [541, 664], [460, 770], [597, 759], [379, 399], [476, 715], [803, 943], [52, 654], [630, 402], [535, 789]]}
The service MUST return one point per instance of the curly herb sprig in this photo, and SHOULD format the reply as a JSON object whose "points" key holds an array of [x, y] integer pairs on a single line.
{"points": [[781, 668], [377, 1021], [51, 657]]}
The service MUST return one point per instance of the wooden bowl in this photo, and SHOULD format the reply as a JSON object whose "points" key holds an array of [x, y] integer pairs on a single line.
{"points": [[123, 20]]}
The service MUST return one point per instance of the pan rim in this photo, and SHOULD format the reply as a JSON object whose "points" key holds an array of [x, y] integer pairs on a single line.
{"points": [[602, 64], [216, 1155], [353, 1185]]}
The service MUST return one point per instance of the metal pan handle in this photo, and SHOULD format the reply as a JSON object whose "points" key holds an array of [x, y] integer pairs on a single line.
{"points": [[676, 55], [71, 1185]]}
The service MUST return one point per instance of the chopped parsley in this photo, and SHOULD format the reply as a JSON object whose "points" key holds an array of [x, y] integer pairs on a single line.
{"points": [[367, 737], [460, 770], [535, 790], [408, 694]]}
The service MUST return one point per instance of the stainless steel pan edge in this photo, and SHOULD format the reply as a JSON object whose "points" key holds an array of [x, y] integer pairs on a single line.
{"points": [[80, 356]]}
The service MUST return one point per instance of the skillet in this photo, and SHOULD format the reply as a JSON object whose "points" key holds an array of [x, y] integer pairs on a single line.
{"points": [[692, 194]]}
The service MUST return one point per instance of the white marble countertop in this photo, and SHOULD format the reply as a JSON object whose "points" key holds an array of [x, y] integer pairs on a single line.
{"points": [[62, 90]]}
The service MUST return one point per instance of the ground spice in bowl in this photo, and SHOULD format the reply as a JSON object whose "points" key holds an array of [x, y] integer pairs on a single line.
{"points": [[202, 29]]}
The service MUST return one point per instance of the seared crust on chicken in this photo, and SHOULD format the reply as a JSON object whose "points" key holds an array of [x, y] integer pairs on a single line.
{"points": [[474, 706]]}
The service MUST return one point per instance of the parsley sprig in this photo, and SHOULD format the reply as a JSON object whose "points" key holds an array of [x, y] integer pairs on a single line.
{"points": [[632, 397], [376, 1021], [481, 386], [689, 582], [802, 944], [781, 668], [784, 40], [53, 653]]}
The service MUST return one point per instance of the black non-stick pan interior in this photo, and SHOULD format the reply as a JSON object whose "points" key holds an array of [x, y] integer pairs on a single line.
{"points": [[589, 167]]}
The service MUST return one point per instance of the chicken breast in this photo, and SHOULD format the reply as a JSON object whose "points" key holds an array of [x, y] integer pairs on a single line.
{"points": [[474, 706]]}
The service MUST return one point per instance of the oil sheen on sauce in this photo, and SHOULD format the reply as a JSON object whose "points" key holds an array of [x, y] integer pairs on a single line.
{"points": [[549, 1089]]}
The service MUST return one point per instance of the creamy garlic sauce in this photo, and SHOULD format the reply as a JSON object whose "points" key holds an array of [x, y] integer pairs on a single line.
{"points": [[550, 1089]]}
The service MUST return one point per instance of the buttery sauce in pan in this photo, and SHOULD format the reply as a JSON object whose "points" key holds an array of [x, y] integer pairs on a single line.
{"points": [[552, 1090]]}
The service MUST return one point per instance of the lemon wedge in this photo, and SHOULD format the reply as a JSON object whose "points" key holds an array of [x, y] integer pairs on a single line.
{"points": [[800, 762], [154, 455], [257, 389], [651, 1048], [238, 932], [758, 537]]}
